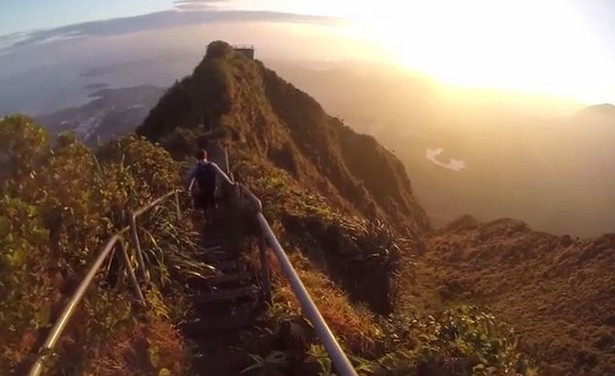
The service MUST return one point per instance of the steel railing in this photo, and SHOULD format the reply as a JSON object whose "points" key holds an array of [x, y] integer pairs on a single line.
{"points": [[337, 355], [106, 253]]}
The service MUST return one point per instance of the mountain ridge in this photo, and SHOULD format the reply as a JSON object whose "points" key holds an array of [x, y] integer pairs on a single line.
{"points": [[292, 131], [603, 109]]}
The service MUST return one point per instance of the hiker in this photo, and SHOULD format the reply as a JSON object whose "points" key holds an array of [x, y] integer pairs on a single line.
{"points": [[204, 174]]}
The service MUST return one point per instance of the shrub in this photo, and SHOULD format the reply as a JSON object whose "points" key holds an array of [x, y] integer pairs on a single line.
{"points": [[465, 340], [58, 208]]}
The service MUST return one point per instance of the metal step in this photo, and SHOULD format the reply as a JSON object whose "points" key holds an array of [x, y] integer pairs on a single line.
{"points": [[210, 249], [228, 279], [226, 267], [226, 262], [246, 292], [221, 362], [209, 236], [219, 323], [224, 280]]}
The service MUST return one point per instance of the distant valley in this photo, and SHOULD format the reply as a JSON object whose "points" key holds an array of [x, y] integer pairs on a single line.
{"points": [[110, 114]]}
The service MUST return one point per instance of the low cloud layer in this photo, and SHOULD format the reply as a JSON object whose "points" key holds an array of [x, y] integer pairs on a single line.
{"points": [[156, 21], [196, 5]]}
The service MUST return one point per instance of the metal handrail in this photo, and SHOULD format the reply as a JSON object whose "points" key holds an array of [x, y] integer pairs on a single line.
{"points": [[223, 174], [338, 356], [59, 326], [140, 211], [105, 253]]}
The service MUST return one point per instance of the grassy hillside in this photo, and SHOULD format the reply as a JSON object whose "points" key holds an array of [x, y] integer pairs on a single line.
{"points": [[58, 205], [262, 113], [556, 291], [280, 139]]}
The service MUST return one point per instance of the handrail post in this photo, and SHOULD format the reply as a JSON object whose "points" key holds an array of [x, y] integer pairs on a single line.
{"points": [[228, 168], [265, 273], [137, 245], [178, 210], [131, 274], [190, 195]]}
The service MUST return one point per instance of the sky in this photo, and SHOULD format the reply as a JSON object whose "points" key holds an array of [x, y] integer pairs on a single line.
{"points": [[23, 15], [558, 47]]}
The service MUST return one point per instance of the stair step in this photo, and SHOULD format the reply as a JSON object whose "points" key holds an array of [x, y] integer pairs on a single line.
{"points": [[208, 237], [219, 323], [227, 279], [206, 343], [224, 280], [226, 295], [225, 259], [221, 361], [226, 267], [210, 249], [212, 246], [225, 307]]}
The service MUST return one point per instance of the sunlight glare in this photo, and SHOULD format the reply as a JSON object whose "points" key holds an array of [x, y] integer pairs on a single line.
{"points": [[535, 46]]}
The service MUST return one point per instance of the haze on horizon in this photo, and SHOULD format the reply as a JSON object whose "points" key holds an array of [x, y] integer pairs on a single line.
{"points": [[558, 48]]}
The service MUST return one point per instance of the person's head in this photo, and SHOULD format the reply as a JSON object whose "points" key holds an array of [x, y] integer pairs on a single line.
{"points": [[201, 154]]}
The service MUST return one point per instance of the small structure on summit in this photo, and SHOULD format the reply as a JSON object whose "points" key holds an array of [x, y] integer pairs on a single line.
{"points": [[246, 49]]}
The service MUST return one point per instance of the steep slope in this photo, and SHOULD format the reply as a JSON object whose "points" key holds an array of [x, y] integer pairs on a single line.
{"points": [[264, 115], [556, 291]]}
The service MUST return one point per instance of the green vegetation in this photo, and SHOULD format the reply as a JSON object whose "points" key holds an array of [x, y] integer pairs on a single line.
{"points": [[459, 341], [555, 290], [58, 206], [463, 340]]}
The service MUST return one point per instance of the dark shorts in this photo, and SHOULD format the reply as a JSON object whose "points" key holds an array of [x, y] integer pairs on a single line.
{"points": [[204, 199]]}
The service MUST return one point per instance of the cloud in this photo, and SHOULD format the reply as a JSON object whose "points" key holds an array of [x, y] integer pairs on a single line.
{"points": [[182, 2], [156, 21], [11, 39], [196, 5]]}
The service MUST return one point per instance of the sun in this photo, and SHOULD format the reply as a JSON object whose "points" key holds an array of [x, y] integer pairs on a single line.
{"points": [[532, 46]]}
